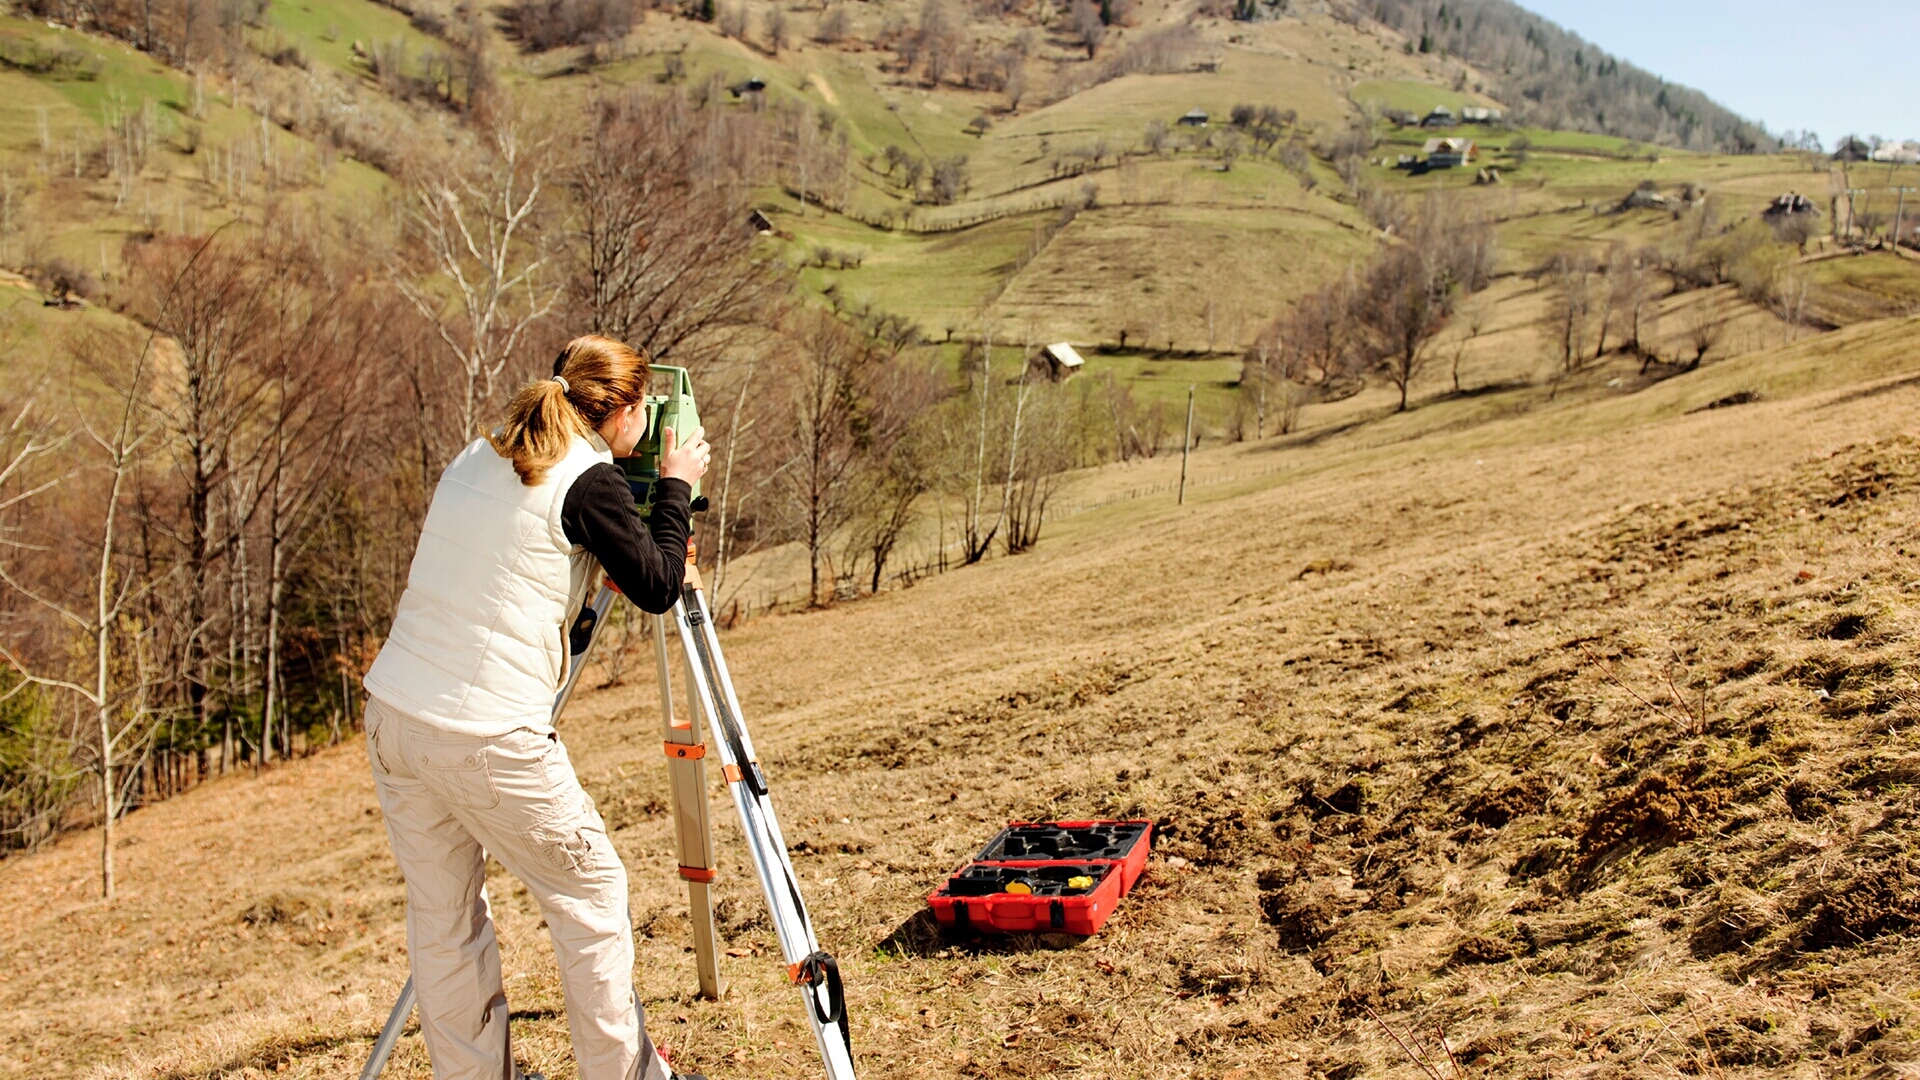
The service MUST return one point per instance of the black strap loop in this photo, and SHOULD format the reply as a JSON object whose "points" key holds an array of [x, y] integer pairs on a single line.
{"points": [[580, 638], [819, 969]]}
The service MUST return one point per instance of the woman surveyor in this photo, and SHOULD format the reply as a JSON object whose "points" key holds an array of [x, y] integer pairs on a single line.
{"points": [[466, 761]]}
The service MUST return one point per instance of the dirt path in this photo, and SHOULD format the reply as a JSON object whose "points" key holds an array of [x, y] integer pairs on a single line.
{"points": [[826, 91]]}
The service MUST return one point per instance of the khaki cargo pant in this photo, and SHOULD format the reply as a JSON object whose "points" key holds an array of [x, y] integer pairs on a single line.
{"points": [[450, 801]]}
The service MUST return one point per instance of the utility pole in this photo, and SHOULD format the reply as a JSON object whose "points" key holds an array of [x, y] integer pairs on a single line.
{"points": [[1898, 213], [1851, 192], [1186, 447]]}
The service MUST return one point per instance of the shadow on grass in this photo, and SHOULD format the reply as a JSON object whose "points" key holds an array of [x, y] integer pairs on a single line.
{"points": [[1872, 391], [1302, 439], [270, 1056], [921, 935], [1471, 392]]}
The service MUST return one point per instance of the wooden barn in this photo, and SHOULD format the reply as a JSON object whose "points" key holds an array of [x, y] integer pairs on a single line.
{"points": [[1059, 361]]}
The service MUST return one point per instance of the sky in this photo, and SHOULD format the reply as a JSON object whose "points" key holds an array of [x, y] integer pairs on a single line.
{"points": [[1836, 67]]}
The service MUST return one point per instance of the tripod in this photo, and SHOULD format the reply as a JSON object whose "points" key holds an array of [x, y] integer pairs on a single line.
{"points": [[713, 708]]}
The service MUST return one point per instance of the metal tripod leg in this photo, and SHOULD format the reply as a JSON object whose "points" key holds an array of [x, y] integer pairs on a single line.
{"points": [[712, 690], [390, 1033]]}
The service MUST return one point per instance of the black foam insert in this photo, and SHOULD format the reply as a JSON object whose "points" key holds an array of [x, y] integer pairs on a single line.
{"points": [[1057, 842], [981, 880]]}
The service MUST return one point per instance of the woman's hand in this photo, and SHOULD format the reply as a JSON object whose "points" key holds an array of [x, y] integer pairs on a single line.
{"points": [[688, 462]]}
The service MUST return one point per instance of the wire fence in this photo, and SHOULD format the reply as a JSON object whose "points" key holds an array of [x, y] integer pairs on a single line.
{"points": [[752, 598]]}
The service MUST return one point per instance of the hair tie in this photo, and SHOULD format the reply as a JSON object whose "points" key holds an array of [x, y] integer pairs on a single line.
{"points": [[564, 388]]}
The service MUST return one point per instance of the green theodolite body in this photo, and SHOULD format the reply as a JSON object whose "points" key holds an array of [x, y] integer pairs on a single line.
{"points": [[673, 409]]}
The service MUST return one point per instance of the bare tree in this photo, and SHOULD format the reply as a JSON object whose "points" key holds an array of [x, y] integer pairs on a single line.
{"points": [[974, 437], [897, 466], [110, 683], [1570, 312], [476, 222], [949, 179], [323, 357], [937, 39], [1086, 26], [216, 303], [833, 27], [1256, 376], [1038, 463], [1632, 283], [661, 255], [1474, 314], [1404, 306], [1606, 299], [1790, 303], [831, 364], [779, 36], [1155, 139], [1704, 330]]}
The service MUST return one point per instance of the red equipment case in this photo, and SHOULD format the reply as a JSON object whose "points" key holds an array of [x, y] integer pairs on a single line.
{"points": [[1043, 859]]}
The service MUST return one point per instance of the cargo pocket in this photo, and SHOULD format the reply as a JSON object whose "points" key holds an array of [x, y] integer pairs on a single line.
{"points": [[458, 776], [575, 848]]}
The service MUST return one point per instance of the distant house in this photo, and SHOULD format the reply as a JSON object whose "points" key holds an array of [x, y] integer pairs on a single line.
{"points": [[1853, 148], [1441, 116], [1448, 153], [1059, 361], [1480, 114], [1645, 197], [752, 86], [1898, 153], [759, 224], [1193, 118], [1786, 206], [1401, 117]]}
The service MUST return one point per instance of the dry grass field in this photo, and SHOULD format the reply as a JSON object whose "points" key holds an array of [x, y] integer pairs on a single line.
{"points": [[1551, 728], [1580, 739]]}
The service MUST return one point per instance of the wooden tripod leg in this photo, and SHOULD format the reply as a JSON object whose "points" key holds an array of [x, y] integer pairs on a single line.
{"points": [[692, 832]]}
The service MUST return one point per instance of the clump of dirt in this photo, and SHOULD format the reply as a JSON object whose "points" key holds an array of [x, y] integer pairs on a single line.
{"points": [[1482, 949], [1807, 801], [285, 908], [1494, 809], [1662, 809], [1735, 918], [1856, 910], [1221, 969], [1350, 800], [1307, 909]]}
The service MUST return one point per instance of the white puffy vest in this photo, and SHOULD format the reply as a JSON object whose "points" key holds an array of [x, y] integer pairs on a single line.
{"points": [[478, 645]]}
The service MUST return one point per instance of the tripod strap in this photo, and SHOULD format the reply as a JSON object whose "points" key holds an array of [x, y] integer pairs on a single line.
{"points": [[822, 971]]}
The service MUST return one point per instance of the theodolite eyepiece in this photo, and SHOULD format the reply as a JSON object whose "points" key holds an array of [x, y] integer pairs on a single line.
{"points": [[674, 409]]}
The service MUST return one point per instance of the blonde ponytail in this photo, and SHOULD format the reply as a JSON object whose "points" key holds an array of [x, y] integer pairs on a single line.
{"points": [[593, 378]]}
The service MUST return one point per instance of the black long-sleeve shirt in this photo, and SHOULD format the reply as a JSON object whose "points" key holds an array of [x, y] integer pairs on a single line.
{"points": [[647, 560]]}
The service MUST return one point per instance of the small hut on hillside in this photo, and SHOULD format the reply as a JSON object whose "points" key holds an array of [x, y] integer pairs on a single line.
{"points": [[1059, 361], [1448, 153], [1789, 205]]}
